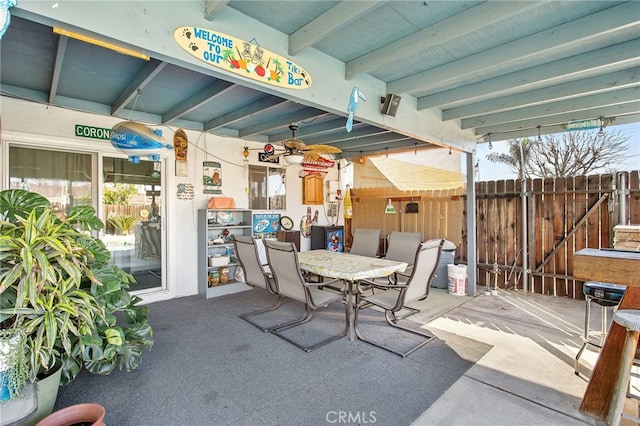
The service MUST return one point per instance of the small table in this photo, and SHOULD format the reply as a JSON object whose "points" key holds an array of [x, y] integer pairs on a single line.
{"points": [[350, 268]]}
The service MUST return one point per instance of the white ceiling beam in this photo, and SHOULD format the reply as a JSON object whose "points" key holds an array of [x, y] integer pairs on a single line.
{"points": [[565, 117], [610, 59], [310, 130], [214, 90], [592, 85], [368, 142], [531, 48], [362, 132], [338, 16], [261, 105], [552, 108], [212, 8], [555, 128], [281, 120], [144, 77], [475, 18], [385, 147]]}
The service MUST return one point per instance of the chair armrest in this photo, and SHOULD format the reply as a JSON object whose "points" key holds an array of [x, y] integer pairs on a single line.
{"points": [[393, 278], [379, 285], [323, 283]]}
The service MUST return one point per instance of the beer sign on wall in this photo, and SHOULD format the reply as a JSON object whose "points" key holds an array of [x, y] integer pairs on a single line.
{"points": [[241, 57]]}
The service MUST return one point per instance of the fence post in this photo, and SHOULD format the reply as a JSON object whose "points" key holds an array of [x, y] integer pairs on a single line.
{"points": [[472, 250]]}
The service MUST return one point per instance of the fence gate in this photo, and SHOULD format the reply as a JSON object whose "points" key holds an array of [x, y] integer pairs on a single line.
{"points": [[563, 215]]}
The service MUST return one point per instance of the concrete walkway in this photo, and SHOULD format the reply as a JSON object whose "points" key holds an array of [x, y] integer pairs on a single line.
{"points": [[528, 376]]}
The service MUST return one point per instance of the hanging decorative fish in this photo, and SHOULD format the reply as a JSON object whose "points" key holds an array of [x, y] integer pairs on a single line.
{"points": [[354, 99]]}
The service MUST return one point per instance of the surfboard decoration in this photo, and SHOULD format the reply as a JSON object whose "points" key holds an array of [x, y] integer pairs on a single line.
{"points": [[241, 57], [181, 144], [137, 140]]}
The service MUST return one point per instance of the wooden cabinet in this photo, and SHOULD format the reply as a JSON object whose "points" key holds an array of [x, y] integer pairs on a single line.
{"points": [[290, 237], [312, 189], [216, 256]]}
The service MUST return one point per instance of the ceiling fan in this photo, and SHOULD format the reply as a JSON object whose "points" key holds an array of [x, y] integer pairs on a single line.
{"points": [[296, 151]]}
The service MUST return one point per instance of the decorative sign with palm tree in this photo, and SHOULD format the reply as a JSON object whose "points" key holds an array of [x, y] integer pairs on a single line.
{"points": [[242, 57]]}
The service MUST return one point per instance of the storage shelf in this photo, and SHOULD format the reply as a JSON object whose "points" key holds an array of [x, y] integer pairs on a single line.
{"points": [[217, 227], [207, 232], [227, 288]]}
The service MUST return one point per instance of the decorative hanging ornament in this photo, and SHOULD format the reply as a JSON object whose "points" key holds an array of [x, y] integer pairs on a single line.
{"points": [[5, 16], [137, 140]]}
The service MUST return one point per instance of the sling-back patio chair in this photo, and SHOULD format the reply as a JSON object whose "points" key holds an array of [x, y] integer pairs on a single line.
{"points": [[255, 275], [284, 265], [402, 248], [365, 242], [395, 297]]}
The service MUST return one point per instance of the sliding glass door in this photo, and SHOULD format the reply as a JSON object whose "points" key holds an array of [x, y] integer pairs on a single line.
{"points": [[131, 202], [132, 206]]}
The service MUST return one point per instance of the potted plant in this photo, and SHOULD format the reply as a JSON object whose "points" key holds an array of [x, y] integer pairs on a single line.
{"points": [[13, 363], [57, 285]]}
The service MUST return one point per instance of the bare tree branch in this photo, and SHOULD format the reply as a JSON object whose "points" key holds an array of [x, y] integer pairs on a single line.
{"points": [[568, 154]]}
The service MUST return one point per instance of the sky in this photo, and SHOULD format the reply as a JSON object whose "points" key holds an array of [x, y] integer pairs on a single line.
{"points": [[496, 171]]}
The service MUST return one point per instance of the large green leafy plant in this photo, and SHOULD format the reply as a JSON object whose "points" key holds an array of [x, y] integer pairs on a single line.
{"points": [[57, 284]]}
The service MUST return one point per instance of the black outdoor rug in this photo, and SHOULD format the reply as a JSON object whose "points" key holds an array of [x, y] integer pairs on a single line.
{"points": [[210, 367]]}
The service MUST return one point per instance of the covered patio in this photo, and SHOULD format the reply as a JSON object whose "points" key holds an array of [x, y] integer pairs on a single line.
{"points": [[511, 354]]}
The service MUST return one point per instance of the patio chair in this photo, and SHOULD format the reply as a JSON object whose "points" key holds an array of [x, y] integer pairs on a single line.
{"points": [[365, 242], [402, 248], [395, 297], [283, 262], [255, 274]]}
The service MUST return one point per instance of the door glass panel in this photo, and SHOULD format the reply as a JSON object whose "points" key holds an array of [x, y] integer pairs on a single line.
{"points": [[64, 178], [132, 207]]}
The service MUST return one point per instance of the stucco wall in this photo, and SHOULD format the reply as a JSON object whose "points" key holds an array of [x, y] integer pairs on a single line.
{"points": [[51, 127]]}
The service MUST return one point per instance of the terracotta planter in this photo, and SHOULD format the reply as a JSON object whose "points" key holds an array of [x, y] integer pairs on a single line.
{"points": [[79, 414]]}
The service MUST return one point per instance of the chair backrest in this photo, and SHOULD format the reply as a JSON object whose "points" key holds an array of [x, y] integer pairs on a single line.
{"points": [[365, 242], [402, 246], [283, 262], [248, 258], [426, 261]]}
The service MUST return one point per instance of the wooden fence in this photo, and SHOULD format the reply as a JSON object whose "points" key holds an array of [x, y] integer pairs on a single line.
{"points": [[561, 216]]}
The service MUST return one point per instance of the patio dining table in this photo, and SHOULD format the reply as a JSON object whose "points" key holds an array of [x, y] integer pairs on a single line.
{"points": [[350, 268]]}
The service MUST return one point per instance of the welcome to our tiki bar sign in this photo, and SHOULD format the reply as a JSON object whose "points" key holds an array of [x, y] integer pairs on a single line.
{"points": [[241, 57]]}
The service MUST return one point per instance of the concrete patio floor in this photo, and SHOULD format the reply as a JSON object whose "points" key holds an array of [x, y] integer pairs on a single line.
{"points": [[528, 376]]}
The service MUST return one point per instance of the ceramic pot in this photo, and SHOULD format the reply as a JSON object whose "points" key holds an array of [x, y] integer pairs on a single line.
{"points": [[48, 385], [92, 414]]}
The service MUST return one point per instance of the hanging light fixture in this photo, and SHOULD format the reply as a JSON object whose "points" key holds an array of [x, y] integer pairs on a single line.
{"points": [[449, 150], [387, 154], [361, 159], [489, 137], [539, 138], [415, 149], [601, 131], [293, 159]]}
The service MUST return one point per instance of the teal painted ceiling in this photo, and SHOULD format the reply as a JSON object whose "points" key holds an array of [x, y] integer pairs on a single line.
{"points": [[503, 68]]}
